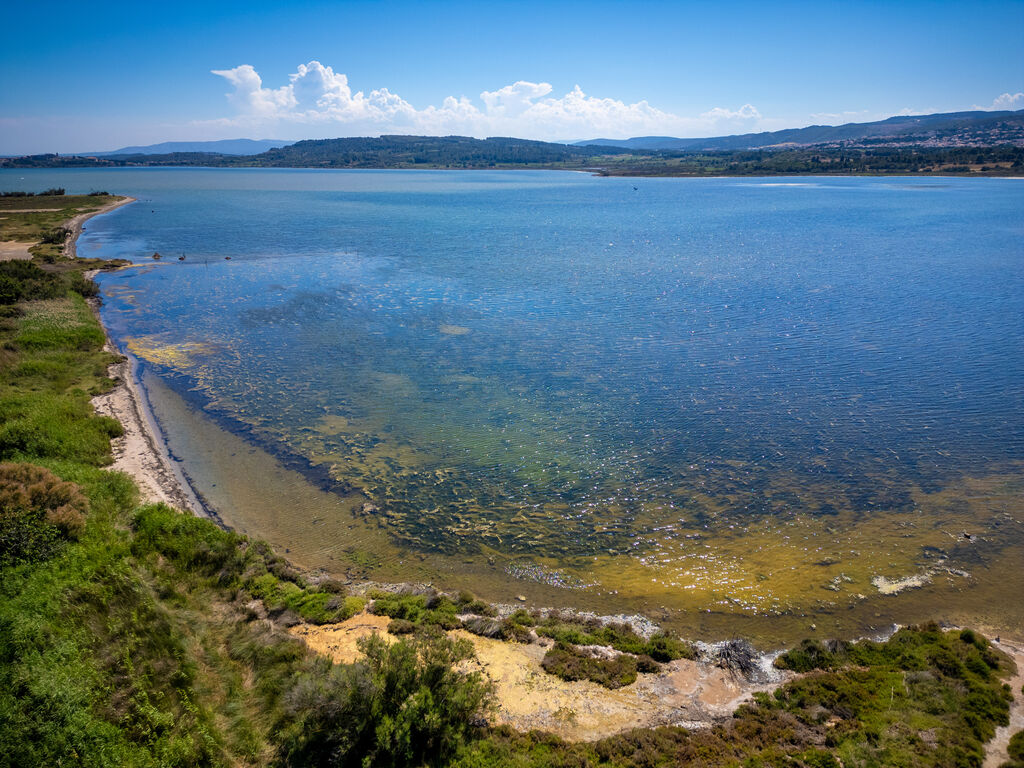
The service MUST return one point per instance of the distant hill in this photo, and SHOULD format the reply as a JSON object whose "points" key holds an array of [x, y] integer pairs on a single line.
{"points": [[992, 146], [426, 151], [223, 147], [938, 130]]}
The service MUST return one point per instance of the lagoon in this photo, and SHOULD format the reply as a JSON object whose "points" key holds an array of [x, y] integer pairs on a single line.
{"points": [[737, 405]]}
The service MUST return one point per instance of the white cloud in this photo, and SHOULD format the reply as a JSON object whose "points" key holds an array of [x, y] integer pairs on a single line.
{"points": [[1008, 101], [317, 95], [251, 97]]}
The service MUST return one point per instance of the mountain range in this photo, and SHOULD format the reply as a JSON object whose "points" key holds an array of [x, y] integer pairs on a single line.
{"points": [[944, 129], [222, 147]]}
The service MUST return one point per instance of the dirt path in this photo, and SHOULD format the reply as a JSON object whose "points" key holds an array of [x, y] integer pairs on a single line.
{"points": [[14, 251], [686, 693], [995, 750]]}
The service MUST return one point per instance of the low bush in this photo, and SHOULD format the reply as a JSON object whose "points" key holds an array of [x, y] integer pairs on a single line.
{"points": [[403, 704], [429, 609], [661, 647], [38, 512], [570, 663]]}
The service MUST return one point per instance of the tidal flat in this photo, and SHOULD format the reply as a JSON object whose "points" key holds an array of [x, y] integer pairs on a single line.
{"points": [[736, 407]]}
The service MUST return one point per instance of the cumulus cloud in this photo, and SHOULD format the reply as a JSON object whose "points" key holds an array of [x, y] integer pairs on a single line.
{"points": [[1008, 101], [316, 94]]}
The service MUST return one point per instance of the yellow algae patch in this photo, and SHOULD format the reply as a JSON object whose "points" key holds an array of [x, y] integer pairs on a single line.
{"points": [[453, 330], [331, 425], [340, 641], [180, 355]]}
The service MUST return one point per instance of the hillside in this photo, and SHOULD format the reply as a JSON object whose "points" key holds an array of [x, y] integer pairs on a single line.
{"points": [[951, 129], [426, 151]]}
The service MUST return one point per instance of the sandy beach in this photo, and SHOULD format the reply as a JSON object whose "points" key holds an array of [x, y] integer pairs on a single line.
{"points": [[76, 224], [141, 452]]}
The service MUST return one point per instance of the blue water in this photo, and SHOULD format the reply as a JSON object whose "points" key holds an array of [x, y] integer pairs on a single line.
{"points": [[464, 347]]}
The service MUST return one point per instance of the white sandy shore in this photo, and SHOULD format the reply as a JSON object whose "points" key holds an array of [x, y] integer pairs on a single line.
{"points": [[75, 225], [141, 451]]}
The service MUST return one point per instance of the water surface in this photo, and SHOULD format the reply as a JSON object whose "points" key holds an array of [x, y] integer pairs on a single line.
{"points": [[759, 398]]}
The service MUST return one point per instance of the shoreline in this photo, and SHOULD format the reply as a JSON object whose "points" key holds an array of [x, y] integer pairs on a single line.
{"points": [[76, 225], [687, 693], [140, 452]]}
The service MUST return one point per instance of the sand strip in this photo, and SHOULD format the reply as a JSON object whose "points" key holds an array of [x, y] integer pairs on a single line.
{"points": [[76, 223], [141, 451], [14, 251], [995, 750]]}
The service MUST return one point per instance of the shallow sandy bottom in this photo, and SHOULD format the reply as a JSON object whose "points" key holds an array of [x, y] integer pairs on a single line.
{"points": [[685, 693]]}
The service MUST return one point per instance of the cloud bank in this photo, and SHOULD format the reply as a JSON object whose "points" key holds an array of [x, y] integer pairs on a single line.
{"points": [[316, 95]]}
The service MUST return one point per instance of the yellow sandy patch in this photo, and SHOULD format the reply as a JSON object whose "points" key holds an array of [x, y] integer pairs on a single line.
{"points": [[685, 692], [14, 251], [339, 641]]}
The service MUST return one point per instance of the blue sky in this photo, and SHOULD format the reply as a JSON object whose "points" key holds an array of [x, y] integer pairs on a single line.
{"points": [[96, 76]]}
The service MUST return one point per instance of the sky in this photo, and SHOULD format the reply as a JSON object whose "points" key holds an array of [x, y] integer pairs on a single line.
{"points": [[80, 77]]}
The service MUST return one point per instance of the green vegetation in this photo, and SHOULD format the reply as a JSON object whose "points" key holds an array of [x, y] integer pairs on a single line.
{"points": [[924, 698], [417, 610], [994, 150], [570, 663], [128, 634], [1015, 751], [401, 705], [621, 637]]}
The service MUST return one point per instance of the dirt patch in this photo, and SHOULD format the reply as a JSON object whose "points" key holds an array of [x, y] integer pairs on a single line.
{"points": [[14, 251], [339, 640], [686, 693]]}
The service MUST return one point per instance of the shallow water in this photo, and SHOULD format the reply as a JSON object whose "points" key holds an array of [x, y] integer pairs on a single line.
{"points": [[733, 403]]}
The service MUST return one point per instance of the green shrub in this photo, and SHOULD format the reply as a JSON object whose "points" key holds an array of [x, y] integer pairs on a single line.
{"points": [[401, 705], [38, 513], [661, 647], [309, 603], [1015, 749], [193, 544], [401, 627], [569, 663], [24, 281], [432, 609]]}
